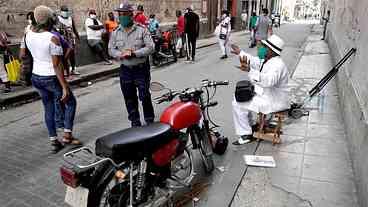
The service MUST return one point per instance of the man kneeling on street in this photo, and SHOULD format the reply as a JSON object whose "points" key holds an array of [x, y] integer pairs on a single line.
{"points": [[270, 79]]}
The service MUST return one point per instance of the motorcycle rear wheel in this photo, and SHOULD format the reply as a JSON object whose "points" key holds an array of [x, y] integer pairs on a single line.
{"points": [[102, 196]]}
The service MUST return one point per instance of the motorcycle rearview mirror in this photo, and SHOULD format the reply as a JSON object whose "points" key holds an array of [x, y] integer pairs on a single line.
{"points": [[156, 86]]}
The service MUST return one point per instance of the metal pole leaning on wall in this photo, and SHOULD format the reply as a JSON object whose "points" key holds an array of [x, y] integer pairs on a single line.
{"points": [[322, 83]]}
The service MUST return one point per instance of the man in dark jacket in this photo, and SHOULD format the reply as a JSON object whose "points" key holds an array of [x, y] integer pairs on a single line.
{"points": [[191, 30]]}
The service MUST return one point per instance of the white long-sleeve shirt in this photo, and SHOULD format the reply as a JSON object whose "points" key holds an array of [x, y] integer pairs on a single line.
{"points": [[271, 84]]}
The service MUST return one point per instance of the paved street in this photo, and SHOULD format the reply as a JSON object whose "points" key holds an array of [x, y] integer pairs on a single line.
{"points": [[29, 175]]}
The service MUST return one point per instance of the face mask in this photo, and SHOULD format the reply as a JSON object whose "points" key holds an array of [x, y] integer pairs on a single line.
{"points": [[224, 16], [125, 21], [93, 16], [64, 14], [29, 21], [262, 52]]}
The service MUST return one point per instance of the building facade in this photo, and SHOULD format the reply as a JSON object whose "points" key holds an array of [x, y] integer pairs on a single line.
{"points": [[346, 29], [12, 12]]}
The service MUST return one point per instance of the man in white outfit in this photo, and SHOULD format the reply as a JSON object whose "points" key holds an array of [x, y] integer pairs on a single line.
{"points": [[224, 33], [270, 80]]}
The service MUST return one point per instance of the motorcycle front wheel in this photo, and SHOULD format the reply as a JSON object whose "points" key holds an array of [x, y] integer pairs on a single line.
{"points": [[206, 152]]}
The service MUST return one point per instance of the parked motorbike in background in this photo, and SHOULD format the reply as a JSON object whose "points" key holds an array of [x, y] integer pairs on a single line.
{"points": [[143, 166], [165, 51]]}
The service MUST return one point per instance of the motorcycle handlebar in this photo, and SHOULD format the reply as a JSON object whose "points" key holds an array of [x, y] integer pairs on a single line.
{"points": [[207, 83], [221, 83]]}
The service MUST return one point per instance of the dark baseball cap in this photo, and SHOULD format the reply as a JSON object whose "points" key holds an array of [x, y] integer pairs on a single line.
{"points": [[126, 7]]}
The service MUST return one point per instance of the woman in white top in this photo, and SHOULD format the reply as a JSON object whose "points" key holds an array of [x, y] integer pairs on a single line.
{"points": [[224, 33], [47, 75]]}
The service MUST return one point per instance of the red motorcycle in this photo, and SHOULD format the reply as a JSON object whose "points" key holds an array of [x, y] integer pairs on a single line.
{"points": [[143, 166]]}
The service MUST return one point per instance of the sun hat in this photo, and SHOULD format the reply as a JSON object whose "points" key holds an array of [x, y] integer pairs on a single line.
{"points": [[275, 43]]}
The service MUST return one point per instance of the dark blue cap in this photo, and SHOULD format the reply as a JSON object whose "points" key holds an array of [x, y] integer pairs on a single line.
{"points": [[125, 7]]}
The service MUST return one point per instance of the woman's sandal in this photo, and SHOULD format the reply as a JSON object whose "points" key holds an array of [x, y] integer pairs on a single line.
{"points": [[71, 141]]}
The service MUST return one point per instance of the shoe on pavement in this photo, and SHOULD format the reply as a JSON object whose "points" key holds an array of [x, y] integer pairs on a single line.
{"points": [[74, 72], [223, 57], [245, 139], [108, 62]]}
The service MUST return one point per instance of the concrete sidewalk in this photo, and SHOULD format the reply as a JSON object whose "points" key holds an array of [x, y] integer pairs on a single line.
{"points": [[313, 166], [89, 73]]}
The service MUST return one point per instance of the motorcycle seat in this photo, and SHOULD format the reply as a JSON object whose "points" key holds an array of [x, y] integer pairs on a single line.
{"points": [[127, 143]]}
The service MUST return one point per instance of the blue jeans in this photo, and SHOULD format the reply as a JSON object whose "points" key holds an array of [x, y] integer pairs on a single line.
{"points": [[51, 92], [131, 79], [65, 113]]}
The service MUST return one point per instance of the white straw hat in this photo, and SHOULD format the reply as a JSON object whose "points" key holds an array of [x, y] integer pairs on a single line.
{"points": [[275, 43]]}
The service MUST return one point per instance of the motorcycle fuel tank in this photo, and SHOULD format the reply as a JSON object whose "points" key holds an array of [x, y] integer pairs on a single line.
{"points": [[181, 115]]}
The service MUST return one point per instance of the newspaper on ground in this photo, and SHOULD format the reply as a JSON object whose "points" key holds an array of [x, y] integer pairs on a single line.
{"points": [[259, 161]]}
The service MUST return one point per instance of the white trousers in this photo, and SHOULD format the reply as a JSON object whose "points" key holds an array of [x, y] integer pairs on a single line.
{"points": [[225, 48], [243, 119]]}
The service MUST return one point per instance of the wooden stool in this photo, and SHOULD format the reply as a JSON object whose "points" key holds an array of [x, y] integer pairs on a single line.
{"points": [[266, 133]]}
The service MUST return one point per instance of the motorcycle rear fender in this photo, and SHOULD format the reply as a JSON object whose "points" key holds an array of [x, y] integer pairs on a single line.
{"points": [[103, 172]]}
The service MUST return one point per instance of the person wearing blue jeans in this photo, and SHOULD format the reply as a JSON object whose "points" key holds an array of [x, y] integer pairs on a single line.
{"points": [[48, 76], [64, 117], [57, 114]]}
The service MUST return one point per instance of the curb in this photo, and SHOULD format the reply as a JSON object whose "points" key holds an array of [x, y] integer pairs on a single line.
{"points": [[30, 94]]}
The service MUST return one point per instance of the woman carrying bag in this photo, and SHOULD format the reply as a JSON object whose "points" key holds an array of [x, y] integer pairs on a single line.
{"points": [[223, 30]]}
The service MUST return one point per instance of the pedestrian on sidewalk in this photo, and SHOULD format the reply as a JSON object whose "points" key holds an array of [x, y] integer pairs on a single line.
{"points": [[110, 25], [244, 18], [94, 29], [326, 20], [27, 61], [270, 80], [153, 24], [67, 29], [139, 17], [48, 76], [191, 30], [180, 33], [132, 44], [4, 52], [252, 27], [263, 27], [224, 34]]}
